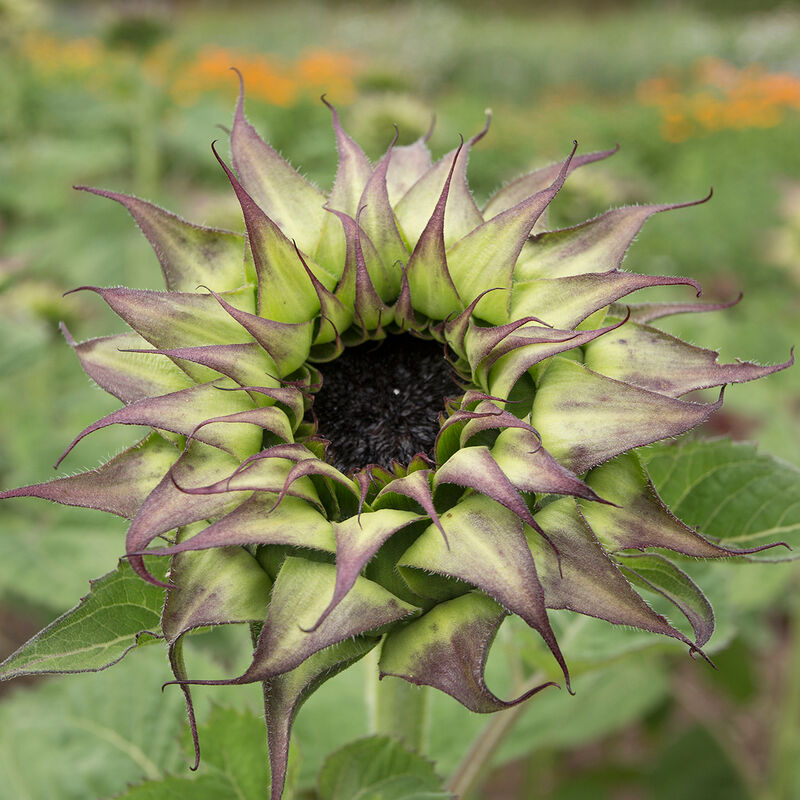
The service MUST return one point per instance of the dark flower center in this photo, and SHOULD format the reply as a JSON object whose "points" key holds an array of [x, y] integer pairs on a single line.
{"points": [[381, 401]]}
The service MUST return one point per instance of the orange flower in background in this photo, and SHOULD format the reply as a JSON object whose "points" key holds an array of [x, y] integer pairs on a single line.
{"points": [[328, 71], [269, 78], [719, 96]]}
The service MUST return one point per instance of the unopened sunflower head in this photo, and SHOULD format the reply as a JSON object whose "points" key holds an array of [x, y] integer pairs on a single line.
{"points": [[389, 417]]}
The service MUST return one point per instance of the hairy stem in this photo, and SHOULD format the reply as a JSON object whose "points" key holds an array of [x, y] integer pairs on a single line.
{"points": [[402, 712], [255, 632], [469, 772], [399, 709]]}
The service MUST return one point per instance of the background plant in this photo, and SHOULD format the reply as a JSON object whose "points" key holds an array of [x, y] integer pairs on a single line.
{"points": [[581, 94]]}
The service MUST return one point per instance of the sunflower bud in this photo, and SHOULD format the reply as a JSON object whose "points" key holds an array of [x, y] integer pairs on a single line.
{"points": [[388, 417]]}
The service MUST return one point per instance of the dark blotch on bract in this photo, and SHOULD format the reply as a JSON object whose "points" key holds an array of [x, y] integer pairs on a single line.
{"points": [[381, 401]]}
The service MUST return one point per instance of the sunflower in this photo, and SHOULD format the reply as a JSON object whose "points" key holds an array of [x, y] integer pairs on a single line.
{"points": [[388, 417]]}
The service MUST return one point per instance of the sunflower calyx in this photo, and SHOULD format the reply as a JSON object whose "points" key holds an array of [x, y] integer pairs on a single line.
{"points": [[390, 418]]}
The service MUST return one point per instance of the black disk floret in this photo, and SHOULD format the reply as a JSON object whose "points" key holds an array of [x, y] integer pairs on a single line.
{"points": [[381, 401]]}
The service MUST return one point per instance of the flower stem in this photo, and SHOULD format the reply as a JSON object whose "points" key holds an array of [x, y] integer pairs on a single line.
{"points": [[399, 709], [469, 772], [402, 711], [255, 632]]}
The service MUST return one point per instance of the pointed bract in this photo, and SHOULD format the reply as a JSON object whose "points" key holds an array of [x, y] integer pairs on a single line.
{"points": [[447, 648], [638, 518], [488, 254], [174, 319], [364, 277], [119, 486], [656, 574], [432, 289], [222, 586], [588, 581], [111, 363], [647, 312], [298, 600], [288, 343], [566, 302], [166, 507], [488, 550], [408, 164], [414, 209], [245, 363], [597, 245], [536, 181], [357, 541], [184, 412], [294, 204], [352, 173], [654, 360], [189, 254], [284, 293], [378, 222], [527, 464], [258, 522], [284, 694], [586, 418]]}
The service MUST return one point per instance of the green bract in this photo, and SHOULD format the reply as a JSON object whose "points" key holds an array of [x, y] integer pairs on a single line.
{"points": [[532, 496]]}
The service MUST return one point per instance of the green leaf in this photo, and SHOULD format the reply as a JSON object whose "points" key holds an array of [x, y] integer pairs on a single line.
{"points": [[378, 767], [730, 491], [97, 633], [207, 787], [50, 571], [87, 736], [401, 787]]}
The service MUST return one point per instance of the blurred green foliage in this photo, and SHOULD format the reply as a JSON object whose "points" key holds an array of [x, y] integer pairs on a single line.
{"points": [[98, 95]]}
